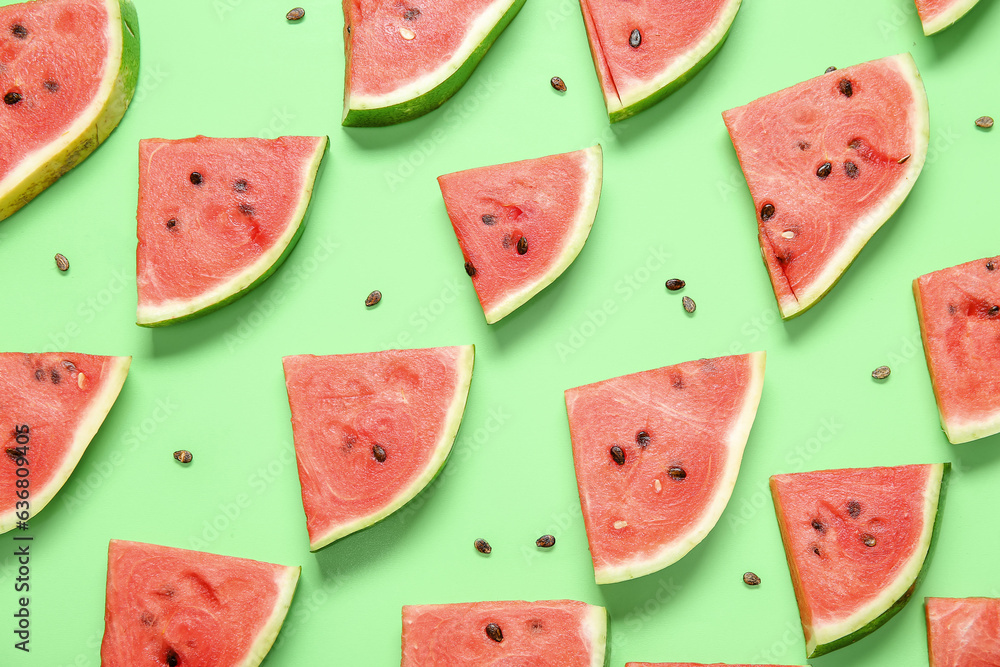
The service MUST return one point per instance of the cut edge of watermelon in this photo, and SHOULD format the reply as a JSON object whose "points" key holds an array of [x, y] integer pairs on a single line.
{"points": [[865, 228], [736, 444], [682, 70], [287, 581], [590, 198], [97, 410], [938, 23], [121, 74], [442, 450], [178, 310], [597, 624], [434, 88], [894, 597]]}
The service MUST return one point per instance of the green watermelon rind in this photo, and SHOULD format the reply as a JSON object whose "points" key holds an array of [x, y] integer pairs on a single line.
{"points": [[262, 644], [420, 103], [91, 421], [174, 312], [896, 596], [92, 127], [442, 451], [959, 9], [738, 438]]}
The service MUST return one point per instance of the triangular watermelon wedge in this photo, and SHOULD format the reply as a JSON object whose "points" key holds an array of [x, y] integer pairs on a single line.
{"points": [[521, 224], [552, 632], [936, 15], [693, 664], [959, 313], [828, 161], [857, 542], [644, 51], [167, 606], [372, 430], [217, 217], [69, 72], [963, 632], [679, 432], [51, 406], [405, 59]]}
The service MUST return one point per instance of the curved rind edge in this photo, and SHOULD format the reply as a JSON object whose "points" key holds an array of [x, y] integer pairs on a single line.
{"points": [[269, 633], [945, 19]]}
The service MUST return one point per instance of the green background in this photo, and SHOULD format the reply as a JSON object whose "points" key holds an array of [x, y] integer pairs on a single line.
{"points": [[674, 205]]}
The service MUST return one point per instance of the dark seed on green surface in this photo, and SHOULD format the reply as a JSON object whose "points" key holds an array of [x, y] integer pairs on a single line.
{"points": [[19, 31], [482, 546], [61, 262], [642, 439], [767, 212], [489, 219], [172, 658], [635, 39], [545, 541], [12, 98], [751, 579], [869, 540], [689, 304], [379, 453], [373, 298], [824, 170], [985, 122], [240, 185], [494, 633], [618, 454], [881, 373], [470, 269], [853, 509], [171, 223], [183, 455], [903, 159], [411, 14], [51, 86], [829, 69], [851, 169], [676, 472], [558, 84], [522, 245], [675, 284], [846, 89], [295, 14], [196, 178]]}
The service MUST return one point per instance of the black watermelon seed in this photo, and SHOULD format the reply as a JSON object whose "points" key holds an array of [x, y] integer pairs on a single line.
{"points": [[51, 86], [246, 209], [494, 633], [545, 541], [558, 84], [853, 509], [482, 546], [470, 269], [804, 145], [846, 89], [172, 658], [635, 39], [522, 245], [829, 69], [196, 178], [184, 456], [689, 304], [373, 298], [677, 472], [990, 266], [618, 454], [751, 579], [146, 618], [869, 540], [171, 223], [61, 262], [767, 211], [642, 439], [816, 551], [818, 525], [489, 219], [994, 310], [295, 14], [854, 144], [675, 284], [985, 122], [13, 454], [824, 170], [19, 31], [39, 374], [881, 373], [54, 374], [12, 98], [240, 185], [851, 169], [411, 14], [379, 453]]}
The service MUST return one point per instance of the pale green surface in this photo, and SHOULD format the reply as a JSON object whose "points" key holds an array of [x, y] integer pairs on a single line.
{"points": [[672, 188]]}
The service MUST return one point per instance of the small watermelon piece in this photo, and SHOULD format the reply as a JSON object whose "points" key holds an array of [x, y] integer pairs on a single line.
{"points": [[167, 606], [959, 313], [936, 15], [857, 542], [828, 161], [68, 70], [681, 431], [51, 406], [563, 632], [963, 632], [216, 218], [549, 202], [674, 41], [692, 664], [404, 59], [372, 430]]}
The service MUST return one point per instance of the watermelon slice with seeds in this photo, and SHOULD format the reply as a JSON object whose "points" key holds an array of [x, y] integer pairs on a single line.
{"points": [[407, 57], [372, 430], [828, 161], [68, 70], [556, 632], [857, 543], [963, 632], [521, 224], [643, 51], [936, 15], [657, 454], [217, 217], [959, 313], [167, 606], [51, 406], [692, 664]]}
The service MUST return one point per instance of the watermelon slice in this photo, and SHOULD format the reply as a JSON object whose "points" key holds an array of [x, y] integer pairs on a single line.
{"points": [[216, 218], [960, 321], [643, 51], [657, 454], [558, 632], [856, 542], [936, 15], [68, 70], [521, 224], [371, 430], [404, 59], [963, 632], [51, 405], [169, 606], [691, 664], [828, 161]]}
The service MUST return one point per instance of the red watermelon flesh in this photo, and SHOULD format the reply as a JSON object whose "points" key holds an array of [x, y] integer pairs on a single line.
{"points": [[549, 202], [856, 541], [51, 405], [408, 403], [215, 217], [692, 664], [682, 430], [191, 609], [869, 123], [937, 15], [959, 313], [558, 633], [963, 632]]}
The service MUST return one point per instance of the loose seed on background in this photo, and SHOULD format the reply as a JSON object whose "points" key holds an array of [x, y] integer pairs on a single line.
{"points": [[751, 579], [985, 122], [183, 455], [767, 212], [675, 284], [677, 472], [824, 170], [545, 541], [295, 14], [635, 39], [618, 455], [494, 633], [689, 304], [482, 546], [379, 453], [373, 298], [470, 269], [846, 89], [881, 373], [522, 245], [851, 169], [829, 69], [61, 262], [558, 84]]}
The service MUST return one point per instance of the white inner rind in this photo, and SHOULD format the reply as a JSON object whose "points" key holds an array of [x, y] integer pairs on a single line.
{"points": [[93, 416], [178, 308], [735, 444], [865, 227], [590, 197], [947, 17], [477, 32], [908, 572], [596, 624], [286, 581], [452, 421]]}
